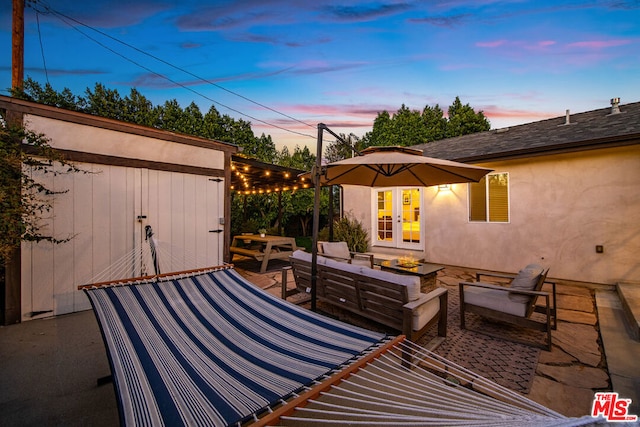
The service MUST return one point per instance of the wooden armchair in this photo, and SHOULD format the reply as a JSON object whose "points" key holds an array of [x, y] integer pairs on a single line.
{"points": [[340, 252], [514, 303]]}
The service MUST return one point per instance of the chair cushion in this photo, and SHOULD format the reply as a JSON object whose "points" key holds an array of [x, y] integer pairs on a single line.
{"points": [[411, 282], [337, 249], [424, 313], [526, 280], [494, 299]]}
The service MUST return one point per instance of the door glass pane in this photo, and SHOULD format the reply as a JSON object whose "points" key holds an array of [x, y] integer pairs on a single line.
{"points": [[385, 219], [411, 215]]}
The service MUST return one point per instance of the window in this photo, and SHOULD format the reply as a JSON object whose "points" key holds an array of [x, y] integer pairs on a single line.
{"points": [[489, 199]]}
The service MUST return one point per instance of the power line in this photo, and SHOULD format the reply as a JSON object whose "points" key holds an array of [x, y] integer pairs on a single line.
{"points": [[44, 62], [64, 18]]}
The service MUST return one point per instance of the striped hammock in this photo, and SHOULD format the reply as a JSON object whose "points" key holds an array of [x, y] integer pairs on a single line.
{"points": [[212, 348], [209, 348]]}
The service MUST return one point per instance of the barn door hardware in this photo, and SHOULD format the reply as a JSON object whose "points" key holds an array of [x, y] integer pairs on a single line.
{"points": [[216, 231], [215, 179]]}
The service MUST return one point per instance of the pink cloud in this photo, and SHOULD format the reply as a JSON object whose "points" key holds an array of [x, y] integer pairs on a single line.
{"points": [[495, 112], [493, 44], [599, 44]]}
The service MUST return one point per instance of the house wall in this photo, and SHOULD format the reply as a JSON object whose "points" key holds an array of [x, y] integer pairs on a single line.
{"points": [[561, 207], [132, 181]]}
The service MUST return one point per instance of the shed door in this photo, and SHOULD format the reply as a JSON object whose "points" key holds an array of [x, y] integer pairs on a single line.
{"points": [[184, 212]]}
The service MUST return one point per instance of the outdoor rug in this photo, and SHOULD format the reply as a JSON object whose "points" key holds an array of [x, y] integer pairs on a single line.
{"points": [[508, 363]]}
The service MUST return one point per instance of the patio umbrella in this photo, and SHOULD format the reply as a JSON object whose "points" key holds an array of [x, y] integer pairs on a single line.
{"points": [[388, 166], [398, 166]]}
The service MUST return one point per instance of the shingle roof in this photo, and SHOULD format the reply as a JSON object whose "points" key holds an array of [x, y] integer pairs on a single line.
{"points": [[588, 130]]}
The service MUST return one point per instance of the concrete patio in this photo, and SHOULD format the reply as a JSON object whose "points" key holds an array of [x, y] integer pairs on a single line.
{"points": [[50, 367]]}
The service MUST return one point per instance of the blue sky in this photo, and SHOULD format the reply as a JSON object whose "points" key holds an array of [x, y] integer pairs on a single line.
{"points": [[338, 62]]}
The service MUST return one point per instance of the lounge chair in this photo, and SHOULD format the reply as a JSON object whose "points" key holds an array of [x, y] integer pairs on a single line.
{"points": [[514, 303], [340, 252]]}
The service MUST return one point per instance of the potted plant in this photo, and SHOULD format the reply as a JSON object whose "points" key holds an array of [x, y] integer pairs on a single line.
{"points": [[262, 232]]}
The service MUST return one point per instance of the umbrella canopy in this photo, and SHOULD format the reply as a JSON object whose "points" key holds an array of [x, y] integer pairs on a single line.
{"points": [[398, 166]]}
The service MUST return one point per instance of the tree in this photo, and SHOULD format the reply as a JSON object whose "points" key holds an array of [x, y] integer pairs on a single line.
{"points": [[410, 127], [463, 120], [23, 200], [261, 148], [192, 120], [33, 91], [339, 150], [138, 109], [103, 102], [211, 124], [434, 122]]}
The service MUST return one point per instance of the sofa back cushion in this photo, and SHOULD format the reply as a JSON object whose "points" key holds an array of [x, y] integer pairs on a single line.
{"points": [[411, 282], [526, 280], [306, 256], [351, 268], [336, 249]]}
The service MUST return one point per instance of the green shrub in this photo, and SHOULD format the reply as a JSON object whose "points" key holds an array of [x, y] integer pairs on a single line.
{"points": [[349, 229]]}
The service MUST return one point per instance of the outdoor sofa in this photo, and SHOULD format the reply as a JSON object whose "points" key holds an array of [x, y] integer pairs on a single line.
{"points": [[388, 298]]}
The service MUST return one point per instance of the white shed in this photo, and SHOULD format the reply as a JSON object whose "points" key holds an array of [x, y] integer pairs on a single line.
{"points": [[138, 177]]}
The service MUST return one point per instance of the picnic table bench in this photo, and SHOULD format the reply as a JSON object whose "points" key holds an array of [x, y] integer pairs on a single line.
{"points": [[263, 248]]}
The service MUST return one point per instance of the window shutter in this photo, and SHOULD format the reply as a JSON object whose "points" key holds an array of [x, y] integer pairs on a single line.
{"points": [[478, 200], [499, 197]]}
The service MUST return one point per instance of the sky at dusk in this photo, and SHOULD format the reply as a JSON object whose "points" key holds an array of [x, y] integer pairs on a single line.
{"points": [[286, 66]]}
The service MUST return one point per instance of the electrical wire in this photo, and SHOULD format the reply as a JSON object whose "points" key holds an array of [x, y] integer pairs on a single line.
{"points": [[44, 62], [64, 18]]}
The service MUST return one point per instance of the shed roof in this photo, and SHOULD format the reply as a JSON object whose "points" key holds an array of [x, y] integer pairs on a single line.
{"points": [[574, 132]]}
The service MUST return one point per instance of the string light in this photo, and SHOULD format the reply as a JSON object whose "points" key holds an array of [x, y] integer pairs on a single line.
{"points": [[259, 179]]}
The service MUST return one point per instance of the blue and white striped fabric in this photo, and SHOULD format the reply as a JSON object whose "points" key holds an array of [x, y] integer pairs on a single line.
{"points": [[212, 349]]}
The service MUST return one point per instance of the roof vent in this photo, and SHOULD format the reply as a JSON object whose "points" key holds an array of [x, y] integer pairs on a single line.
{"points": [[567, 119], [615, 105]]}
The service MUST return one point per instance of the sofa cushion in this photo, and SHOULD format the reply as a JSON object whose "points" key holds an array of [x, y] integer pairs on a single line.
{"points": [[336, 249], [361, 261], [424, 313], [494, 299], [526, 280], [351, 268], [300, 254], [306, 256], [411, 282]]}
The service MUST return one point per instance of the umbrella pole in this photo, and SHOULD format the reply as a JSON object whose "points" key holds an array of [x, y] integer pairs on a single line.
{"points": [[316, 217]]}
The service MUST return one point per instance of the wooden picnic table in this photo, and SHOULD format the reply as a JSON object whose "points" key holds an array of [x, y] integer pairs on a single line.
{"points": [[263, 248]]}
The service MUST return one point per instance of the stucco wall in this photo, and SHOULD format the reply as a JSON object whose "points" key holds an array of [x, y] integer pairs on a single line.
{"points": [[561, 207]]}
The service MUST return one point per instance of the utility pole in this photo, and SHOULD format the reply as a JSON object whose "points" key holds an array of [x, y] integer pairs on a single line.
{"points": [[11, 280], [17, 42]]}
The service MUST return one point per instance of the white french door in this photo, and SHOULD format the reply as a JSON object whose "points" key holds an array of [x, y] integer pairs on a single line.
{"points": [[398, 217]]}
